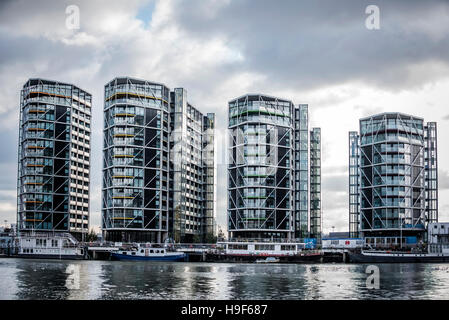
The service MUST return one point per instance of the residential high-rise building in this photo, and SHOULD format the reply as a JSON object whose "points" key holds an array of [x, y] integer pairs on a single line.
{"points": [[301, 167], [192, 173], [315, 184], [393, 183], [156, 178], [209, 178], [268, 171], [136, 161], [54, 158]]}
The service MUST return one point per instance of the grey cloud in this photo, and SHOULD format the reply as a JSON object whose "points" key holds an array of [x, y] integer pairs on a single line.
{"points": [[443, 180], [368, 110], [307, 44], [8, 143], [336, 183], [8, 180]]}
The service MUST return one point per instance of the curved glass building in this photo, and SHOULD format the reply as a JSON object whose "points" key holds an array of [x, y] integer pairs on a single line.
{"points": [[54, 158], [393, 176], [268, 169], [135, 160], [159, 169]]}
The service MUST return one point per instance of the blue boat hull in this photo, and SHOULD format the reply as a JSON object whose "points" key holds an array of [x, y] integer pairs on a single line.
{"points": [[119, 256]]}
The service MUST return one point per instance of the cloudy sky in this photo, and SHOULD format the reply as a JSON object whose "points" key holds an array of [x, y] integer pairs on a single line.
{"points": [[315, 52]]}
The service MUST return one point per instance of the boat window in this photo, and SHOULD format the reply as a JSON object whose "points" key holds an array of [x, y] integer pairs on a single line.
{"points": [[238, 247], [264, 247], [141, 251], [151, 251], [157, 251], [123, 252], [133, 253]]}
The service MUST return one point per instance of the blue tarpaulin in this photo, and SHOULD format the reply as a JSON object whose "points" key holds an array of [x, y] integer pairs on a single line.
{"points": [[310, 243], [411, 240]]}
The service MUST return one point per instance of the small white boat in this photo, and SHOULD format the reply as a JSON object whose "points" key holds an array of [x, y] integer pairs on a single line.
{"points": [[268, 260]]}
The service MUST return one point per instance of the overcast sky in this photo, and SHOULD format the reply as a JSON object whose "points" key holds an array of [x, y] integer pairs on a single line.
{"points": [[316, 52]]}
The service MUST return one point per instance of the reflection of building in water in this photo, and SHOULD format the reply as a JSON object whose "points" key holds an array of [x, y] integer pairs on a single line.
{"points": [[84, 281], [39, 280], [280, 281]]}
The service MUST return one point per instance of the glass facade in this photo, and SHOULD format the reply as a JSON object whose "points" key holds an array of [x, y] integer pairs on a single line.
{"points": [[54, 158], [209, 176], [315, 184], [268, 169], [157, 182], [354, 184], [301, 171], [135, 161], [192, 170], [431, 173], [394, 162]]}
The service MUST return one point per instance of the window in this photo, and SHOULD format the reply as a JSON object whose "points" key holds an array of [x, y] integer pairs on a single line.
{"points": [[265, 247], [238, 247]]}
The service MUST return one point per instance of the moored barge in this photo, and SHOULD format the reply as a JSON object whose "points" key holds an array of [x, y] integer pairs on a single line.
{"points": [[287, 252], [397, 257]]}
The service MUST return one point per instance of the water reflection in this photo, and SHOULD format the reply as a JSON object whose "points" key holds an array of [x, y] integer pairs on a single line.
{"points": [[88, 280]]}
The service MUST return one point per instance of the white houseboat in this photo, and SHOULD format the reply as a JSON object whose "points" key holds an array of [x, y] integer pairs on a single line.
{"points": [[44, 245], [257, 251]]}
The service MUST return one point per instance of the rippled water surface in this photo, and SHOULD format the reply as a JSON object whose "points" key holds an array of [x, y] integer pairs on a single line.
{"points": [[48, 279]]}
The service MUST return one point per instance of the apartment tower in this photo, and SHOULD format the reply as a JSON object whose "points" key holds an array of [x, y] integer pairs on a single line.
{"points": [[54, 158]]}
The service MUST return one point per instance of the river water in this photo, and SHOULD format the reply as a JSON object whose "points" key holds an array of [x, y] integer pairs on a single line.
{"points": [[52, 279]]}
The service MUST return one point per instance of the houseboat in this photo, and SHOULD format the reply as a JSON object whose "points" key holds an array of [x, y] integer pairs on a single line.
{"points": [[407, 250], [375, 256], [259, 251], [43, 245]]}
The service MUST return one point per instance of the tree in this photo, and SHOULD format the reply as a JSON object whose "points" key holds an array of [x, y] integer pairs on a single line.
{"points": [[91, 236], [210, 238], [196, 239], [221, 235]]}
